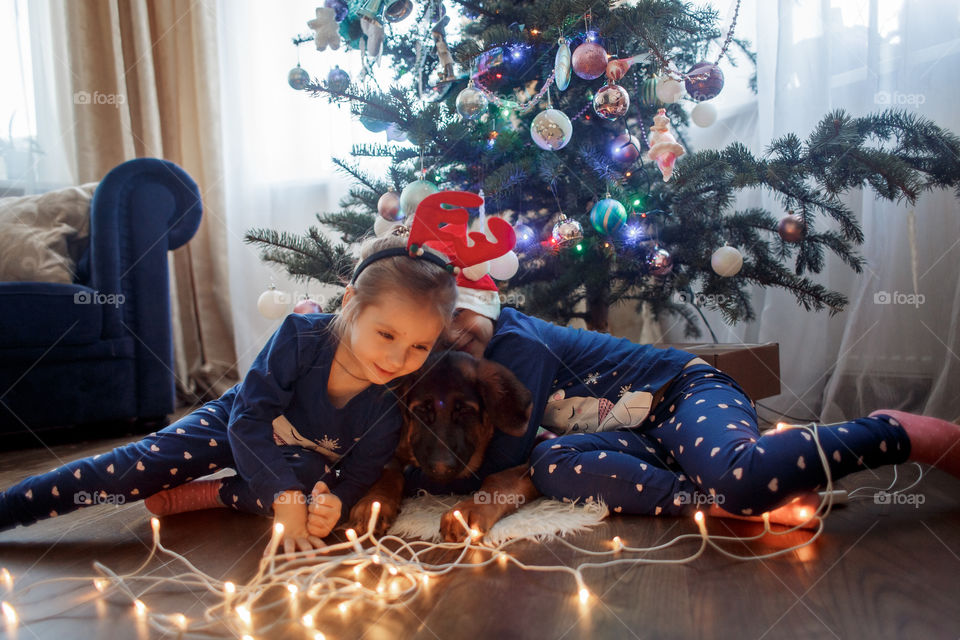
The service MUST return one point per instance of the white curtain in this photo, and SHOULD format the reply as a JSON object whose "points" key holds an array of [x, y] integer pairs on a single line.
{"points": [[279, 144], [895, 346]]}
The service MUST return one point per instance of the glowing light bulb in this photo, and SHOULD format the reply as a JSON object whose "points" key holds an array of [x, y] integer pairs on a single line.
{"points": [[100, 584], [6, 578], [319, 636], [698, 516], [229, 587], [584, 595], [155, 524], [617, 543], [425, 579], [392, 570], [180, 620], [357, 569], [781, 426], [351, 535], [140, 608], [9, 613], [278, 528], [475, 533], [243, 613], [804, 515], [246, 636], [342, 607], [292, 588], [307, 620]]}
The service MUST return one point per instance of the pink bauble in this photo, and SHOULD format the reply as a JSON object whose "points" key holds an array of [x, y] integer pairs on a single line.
{"points": [[307, 306], [589, 61]]}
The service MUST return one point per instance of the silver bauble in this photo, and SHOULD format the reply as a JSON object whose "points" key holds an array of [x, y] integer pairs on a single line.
{"points": [[551, 129]]}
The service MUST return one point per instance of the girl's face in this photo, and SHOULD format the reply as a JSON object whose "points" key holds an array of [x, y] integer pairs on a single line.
{"points": [[389, 339], [470, 332]]}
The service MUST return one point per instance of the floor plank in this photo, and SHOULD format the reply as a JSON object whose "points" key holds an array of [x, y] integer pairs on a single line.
{"points": [[878, 571]]}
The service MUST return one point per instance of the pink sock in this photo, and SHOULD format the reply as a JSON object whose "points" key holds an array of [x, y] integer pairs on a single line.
{"points": [[192, 496], [932, 440]]}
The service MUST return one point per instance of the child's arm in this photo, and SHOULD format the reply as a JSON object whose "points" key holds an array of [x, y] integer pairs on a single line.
{"points": [[265, 393]]}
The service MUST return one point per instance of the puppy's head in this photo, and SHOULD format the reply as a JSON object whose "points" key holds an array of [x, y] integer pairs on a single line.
{"points": [[451, 408]]}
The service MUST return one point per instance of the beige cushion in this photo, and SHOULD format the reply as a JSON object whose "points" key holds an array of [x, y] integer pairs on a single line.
{"points": [[43, 236]]}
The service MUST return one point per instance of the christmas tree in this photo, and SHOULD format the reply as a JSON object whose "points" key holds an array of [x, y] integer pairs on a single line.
{"points": [[582, 163]]}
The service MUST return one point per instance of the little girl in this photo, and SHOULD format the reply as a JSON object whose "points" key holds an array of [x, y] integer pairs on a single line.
{"points": [[659, 431], [313, 414]]}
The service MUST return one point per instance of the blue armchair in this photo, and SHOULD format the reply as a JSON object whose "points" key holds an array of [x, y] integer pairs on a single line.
{"points": [[101, 349]]}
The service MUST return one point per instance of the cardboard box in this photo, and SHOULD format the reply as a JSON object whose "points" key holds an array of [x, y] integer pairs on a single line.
{"points": [[755, 367]]}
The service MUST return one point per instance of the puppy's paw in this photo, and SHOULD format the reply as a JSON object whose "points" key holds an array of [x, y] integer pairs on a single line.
{"points": [[480, 517], [360, 516]]}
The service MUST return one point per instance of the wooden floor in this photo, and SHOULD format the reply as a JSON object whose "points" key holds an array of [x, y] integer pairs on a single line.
{"points": [[879, 571]]}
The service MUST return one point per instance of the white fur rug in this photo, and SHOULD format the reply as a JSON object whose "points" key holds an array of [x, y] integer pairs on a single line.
{"points": [[541, 519]]}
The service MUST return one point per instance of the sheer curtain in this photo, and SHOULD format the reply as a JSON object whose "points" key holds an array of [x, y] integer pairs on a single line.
{"points": [[279, 144], [897, 343]]}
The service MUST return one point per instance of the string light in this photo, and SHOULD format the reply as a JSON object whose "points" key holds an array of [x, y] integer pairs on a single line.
{"points": [[6, 578], [407, 572]]}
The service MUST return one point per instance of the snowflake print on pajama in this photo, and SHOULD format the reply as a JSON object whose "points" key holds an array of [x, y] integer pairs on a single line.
{"points": [[194, 446], [701, 443]]}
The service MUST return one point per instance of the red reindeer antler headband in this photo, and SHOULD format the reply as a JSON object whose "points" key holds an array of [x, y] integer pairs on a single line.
{"points": [[445, 229]]}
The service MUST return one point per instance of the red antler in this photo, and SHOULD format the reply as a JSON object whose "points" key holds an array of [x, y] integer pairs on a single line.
{"points": [[447, 229]]}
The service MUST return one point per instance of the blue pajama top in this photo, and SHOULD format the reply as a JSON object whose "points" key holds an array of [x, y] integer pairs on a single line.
{"points": [[289, 379], [565, 367]]}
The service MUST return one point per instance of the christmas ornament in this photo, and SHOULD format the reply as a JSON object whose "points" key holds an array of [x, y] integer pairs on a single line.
{"points": [[397, 10], [504, 267], [340, 9], [561, 65], [382, 226], [325, 29], [668, 90], [372, 29], [388, 206], [298, 77], [617, 68], [413, 194], [273, 303], [566, 230], [395, 133], [307, 306], [611, 101], [608, 215], [351, 31], [551, 129], [440, 42], [726, 261], [373, 125], [471, 103], [648, 93], [704, 114], [338, 79], [660, 261], [791, 228], [664, 149], [589, 60], [704, 81], [625, 149]]}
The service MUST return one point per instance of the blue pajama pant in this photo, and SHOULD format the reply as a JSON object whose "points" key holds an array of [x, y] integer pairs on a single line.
{"points": [[194, 446], [701, 444]]}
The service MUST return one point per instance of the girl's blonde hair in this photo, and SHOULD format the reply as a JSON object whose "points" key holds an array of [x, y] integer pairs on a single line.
{"points": [[423, 281]]}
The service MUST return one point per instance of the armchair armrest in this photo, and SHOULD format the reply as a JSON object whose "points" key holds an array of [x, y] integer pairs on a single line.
{"points": [[142, 209]]}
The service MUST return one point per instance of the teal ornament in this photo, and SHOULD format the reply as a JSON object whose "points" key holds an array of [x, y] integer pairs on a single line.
{"points": [[373, 126], [561, 66], [298, 78], [648, 92], [413, 194], [607, 216]]}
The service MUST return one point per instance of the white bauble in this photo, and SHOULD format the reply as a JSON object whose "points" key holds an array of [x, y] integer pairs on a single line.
{"points": [[704, 114], [726, 261], [382, 227], [273, 303], [505, 267], [669, 90], [413, 194]]}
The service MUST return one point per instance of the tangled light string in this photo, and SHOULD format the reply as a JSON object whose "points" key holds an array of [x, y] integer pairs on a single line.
{"points": [[389, 572]]}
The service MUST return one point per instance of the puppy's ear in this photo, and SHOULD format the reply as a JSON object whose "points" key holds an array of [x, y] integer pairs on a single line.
{"points": [[506, 401]]}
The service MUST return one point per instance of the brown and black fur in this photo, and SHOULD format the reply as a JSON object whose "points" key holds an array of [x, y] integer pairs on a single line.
{"points": [[451, 408]]}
